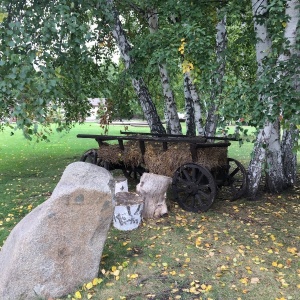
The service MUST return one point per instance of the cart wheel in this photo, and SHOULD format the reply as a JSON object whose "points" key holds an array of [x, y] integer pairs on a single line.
{"points": [[194, 188], [91, 156], [236, 179], [133, 172]]}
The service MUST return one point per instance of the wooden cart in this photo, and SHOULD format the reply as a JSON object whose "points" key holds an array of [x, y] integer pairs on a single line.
{"points": [[194, 185]]}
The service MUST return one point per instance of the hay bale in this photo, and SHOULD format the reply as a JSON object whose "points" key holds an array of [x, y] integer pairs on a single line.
{"points": [[110, 153], [167, 162], [130, 156], [162, 162]]}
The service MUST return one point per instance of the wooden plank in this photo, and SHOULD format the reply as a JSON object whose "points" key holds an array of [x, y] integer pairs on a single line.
{"points": [[121, 144], [188, 140], [193, 150], [198, 137], [165, 146], [142, 147]]}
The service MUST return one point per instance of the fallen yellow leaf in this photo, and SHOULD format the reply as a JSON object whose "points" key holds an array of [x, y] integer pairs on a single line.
{"points": [[77, 295], [244, 280], [292, 250], [208, 288], [89, 285]]}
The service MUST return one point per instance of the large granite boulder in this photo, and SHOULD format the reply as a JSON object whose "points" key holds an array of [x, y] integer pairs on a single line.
{"points": [[57, 247]]}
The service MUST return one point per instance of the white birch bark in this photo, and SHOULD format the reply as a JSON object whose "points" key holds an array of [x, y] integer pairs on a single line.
{"points": [[196, 103], [221, 43], [192, 103], [290, 135], [258, 158], [263, 46], [139, 86], [289, 156], [189, 108], [170, 104], [170, 109], [290, 33], [274, 171]]}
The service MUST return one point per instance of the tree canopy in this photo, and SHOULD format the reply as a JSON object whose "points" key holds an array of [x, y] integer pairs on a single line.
{"points": [[57, 54]]}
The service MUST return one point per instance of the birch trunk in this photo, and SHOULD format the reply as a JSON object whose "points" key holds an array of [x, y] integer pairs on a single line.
{"points": [[289, 156], [274, 170], [221, 44], [170, 104], [290, 136], [290, 33], [170, 109], [263, 46], [140, 88], [189, 108], [258, 158], [196, 103]]}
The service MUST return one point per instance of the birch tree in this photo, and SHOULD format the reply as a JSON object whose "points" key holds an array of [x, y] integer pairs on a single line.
{"points": [[278, 96], [263, 48], [291, 51], [193, 94], [221, 41], [289, 154], [170, 109], [282, 166], [189, 108], [192, 101], [140, 88]]}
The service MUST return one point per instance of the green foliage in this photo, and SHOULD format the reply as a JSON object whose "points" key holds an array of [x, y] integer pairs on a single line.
{"points": [[54, 55], [47, 63]]}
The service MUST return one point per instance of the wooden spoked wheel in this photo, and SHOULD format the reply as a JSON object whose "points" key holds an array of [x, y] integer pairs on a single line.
{"points": [[133, 172], [236, 179], [194, 188]]}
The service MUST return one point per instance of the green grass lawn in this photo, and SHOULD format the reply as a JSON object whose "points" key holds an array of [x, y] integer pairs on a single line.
{"points": [[237, 250]]}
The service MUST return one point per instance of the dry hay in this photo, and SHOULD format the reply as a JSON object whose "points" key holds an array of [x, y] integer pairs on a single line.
{"points": [[130, 157], [167, 162], [163, 162]]}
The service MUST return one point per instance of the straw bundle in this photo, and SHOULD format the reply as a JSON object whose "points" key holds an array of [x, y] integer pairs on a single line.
{"points": [[167, 162], [162, 162]]}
